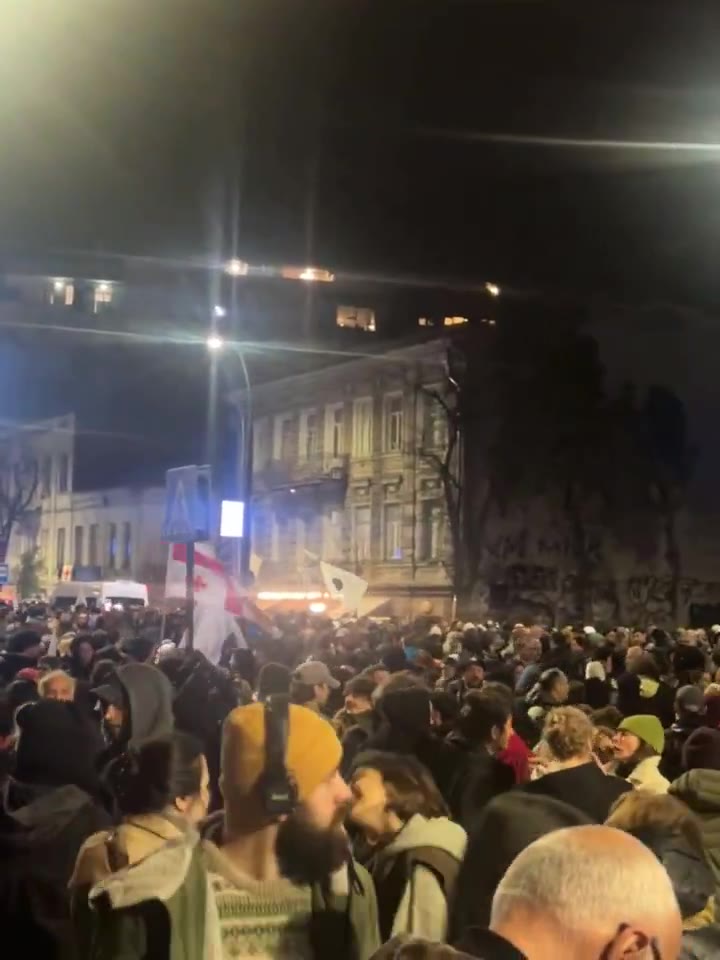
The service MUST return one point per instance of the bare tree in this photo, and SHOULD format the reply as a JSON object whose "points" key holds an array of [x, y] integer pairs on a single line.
{"points": [[19, 475]]}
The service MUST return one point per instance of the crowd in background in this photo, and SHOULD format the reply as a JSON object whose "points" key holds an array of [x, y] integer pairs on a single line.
{"points": [[457, 789]]}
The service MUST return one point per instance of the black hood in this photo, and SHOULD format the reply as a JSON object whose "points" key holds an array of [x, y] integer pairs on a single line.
{"points": [[35, 815], [149, 696]]}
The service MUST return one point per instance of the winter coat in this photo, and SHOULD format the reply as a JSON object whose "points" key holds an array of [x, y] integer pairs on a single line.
{"points": [[585, 787], [41, 832], [479, 777], [149, 697], [647, 776], [161, 907], [700, 790], [510, 823], [422, 909]]}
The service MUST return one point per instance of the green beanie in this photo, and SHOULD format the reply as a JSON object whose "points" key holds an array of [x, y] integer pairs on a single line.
{"points": [[646, 728]]}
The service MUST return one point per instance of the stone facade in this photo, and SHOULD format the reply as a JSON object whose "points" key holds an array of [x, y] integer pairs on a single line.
{"points": [[339, 473]]}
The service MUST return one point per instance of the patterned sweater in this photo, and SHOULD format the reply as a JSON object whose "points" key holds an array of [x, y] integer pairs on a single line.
{"points": [[262, 920]]}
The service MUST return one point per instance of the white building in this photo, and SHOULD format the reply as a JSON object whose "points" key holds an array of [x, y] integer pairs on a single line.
{"points": [[117, 530]]}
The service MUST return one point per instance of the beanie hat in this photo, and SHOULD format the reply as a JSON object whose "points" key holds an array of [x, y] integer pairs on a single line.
{"points": [[312, 754], [701, 750], [57, 746], [23, 640], [690, 699], [647, 728]]}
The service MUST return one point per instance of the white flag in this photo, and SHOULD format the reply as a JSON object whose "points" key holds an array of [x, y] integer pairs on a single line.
{"points": [[349, 586], [213, 625]]}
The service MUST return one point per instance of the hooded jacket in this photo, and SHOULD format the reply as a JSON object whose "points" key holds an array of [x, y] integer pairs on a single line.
{"points": [[41, 831], [161, 906], [700, 790], [423, 909], [148, 697]]}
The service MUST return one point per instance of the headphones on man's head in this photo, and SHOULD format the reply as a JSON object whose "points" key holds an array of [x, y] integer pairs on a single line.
{"points": [[277, 787]]}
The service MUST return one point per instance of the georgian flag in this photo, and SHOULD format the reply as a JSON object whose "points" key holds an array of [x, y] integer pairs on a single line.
{"points": [[214, 586], [342, 583]]}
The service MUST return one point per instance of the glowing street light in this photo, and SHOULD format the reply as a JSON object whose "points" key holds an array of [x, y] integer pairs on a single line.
{"points": [[214, 342], [236, 268], [219, 311], [493, 289], [309, 274]]}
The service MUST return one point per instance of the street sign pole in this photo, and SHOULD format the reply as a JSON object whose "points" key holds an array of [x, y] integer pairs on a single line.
{"points": [[190, 594]]}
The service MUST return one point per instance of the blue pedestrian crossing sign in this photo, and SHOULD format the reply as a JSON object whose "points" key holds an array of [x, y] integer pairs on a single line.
{"points": [[4, 573], [187, 505]]}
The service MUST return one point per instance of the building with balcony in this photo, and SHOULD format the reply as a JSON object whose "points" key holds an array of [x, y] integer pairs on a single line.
{"points": [[341, 473]]}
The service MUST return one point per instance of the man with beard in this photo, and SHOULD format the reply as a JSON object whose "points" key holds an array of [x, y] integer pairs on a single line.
{"points": [[284, 884]]}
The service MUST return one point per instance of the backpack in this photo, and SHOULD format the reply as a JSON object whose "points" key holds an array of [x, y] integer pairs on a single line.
{"points": [[393, 878]]}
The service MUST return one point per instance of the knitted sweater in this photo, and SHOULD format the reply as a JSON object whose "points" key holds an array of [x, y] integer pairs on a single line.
{"points": [[262, 920]]}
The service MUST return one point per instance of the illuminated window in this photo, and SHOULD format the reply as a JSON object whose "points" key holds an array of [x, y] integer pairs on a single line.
{"points": [[102, 297], [356, 318], [454, 321], [62, 293]]}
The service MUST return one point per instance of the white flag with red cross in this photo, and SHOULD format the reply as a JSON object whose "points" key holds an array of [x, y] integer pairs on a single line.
{"points": [[213, 585]]}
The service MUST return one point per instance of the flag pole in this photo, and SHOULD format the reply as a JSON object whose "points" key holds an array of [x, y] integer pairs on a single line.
{"points": [[190, 594]]}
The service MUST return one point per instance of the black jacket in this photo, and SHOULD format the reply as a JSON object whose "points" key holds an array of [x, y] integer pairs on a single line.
{"points": [[632, 702], [41, 832], [479, 777], [585, 787]]}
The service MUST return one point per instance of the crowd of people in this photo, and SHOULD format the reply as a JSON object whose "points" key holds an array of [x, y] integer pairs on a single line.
{"points": [[359, 790]]}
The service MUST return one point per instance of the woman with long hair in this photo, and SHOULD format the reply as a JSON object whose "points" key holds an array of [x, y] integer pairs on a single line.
{"points": [[161, 790]]}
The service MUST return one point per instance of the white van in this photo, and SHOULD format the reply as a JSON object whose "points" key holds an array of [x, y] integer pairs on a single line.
{"points": [[99, 594]]}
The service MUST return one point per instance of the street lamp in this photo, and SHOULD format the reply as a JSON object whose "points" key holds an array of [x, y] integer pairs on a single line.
{"points": [[219, 311], [493, 289], [214, 342], [236, 268]]}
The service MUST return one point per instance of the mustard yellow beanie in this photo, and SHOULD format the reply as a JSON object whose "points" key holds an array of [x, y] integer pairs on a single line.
{"points": [[313, 754]]}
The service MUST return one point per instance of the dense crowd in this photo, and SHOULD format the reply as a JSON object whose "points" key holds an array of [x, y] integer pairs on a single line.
{"points": [[358, 789]]}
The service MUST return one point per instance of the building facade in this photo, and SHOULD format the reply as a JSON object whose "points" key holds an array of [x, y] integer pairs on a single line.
{"points": [[342, 472], [117, 530]]}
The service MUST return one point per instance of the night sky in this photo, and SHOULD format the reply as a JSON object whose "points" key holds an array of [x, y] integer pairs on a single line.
{"points": [[370, 137], [124, 120]]}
